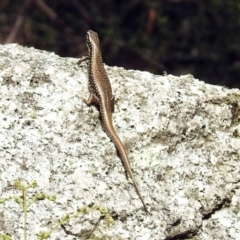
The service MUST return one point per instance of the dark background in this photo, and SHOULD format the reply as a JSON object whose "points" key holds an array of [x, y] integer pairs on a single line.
{"points": [[200, 37]]}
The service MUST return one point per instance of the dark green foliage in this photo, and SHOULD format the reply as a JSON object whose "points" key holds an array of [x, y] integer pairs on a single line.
{"points": [[176, 36]]}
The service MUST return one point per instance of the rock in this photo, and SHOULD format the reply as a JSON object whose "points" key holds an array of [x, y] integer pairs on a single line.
{"points": [[182, 137]]}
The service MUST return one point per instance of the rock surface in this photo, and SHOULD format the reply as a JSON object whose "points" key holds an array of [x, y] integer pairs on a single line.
{"points": [[182, 137]]}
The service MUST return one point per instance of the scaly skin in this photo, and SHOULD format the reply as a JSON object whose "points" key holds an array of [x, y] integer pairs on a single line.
{"points": [[101, 97]]}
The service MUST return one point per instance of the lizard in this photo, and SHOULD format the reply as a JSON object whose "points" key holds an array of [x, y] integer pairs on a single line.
{"points": [[101, 97]]}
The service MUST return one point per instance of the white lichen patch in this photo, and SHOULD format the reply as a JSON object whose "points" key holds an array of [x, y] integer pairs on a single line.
{"points": [[182, 137]]}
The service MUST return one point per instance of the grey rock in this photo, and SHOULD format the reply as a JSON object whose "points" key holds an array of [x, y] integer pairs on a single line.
{"points": [[182, 137]]}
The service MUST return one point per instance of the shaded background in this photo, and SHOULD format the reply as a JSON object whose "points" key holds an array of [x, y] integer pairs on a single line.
{"points": [[174, 36]]}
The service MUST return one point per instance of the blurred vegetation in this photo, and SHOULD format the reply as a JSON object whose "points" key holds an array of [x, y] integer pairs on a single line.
{"points": [[177, 36]]}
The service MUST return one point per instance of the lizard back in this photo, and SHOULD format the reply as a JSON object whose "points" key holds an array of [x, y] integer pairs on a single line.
{"points": [[99, 83]]}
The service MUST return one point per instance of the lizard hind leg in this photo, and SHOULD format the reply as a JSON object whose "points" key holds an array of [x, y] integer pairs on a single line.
{"points": [[92, 100]]}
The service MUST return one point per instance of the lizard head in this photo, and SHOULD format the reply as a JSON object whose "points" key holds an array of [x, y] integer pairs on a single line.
{"points": [[92, 39]]}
